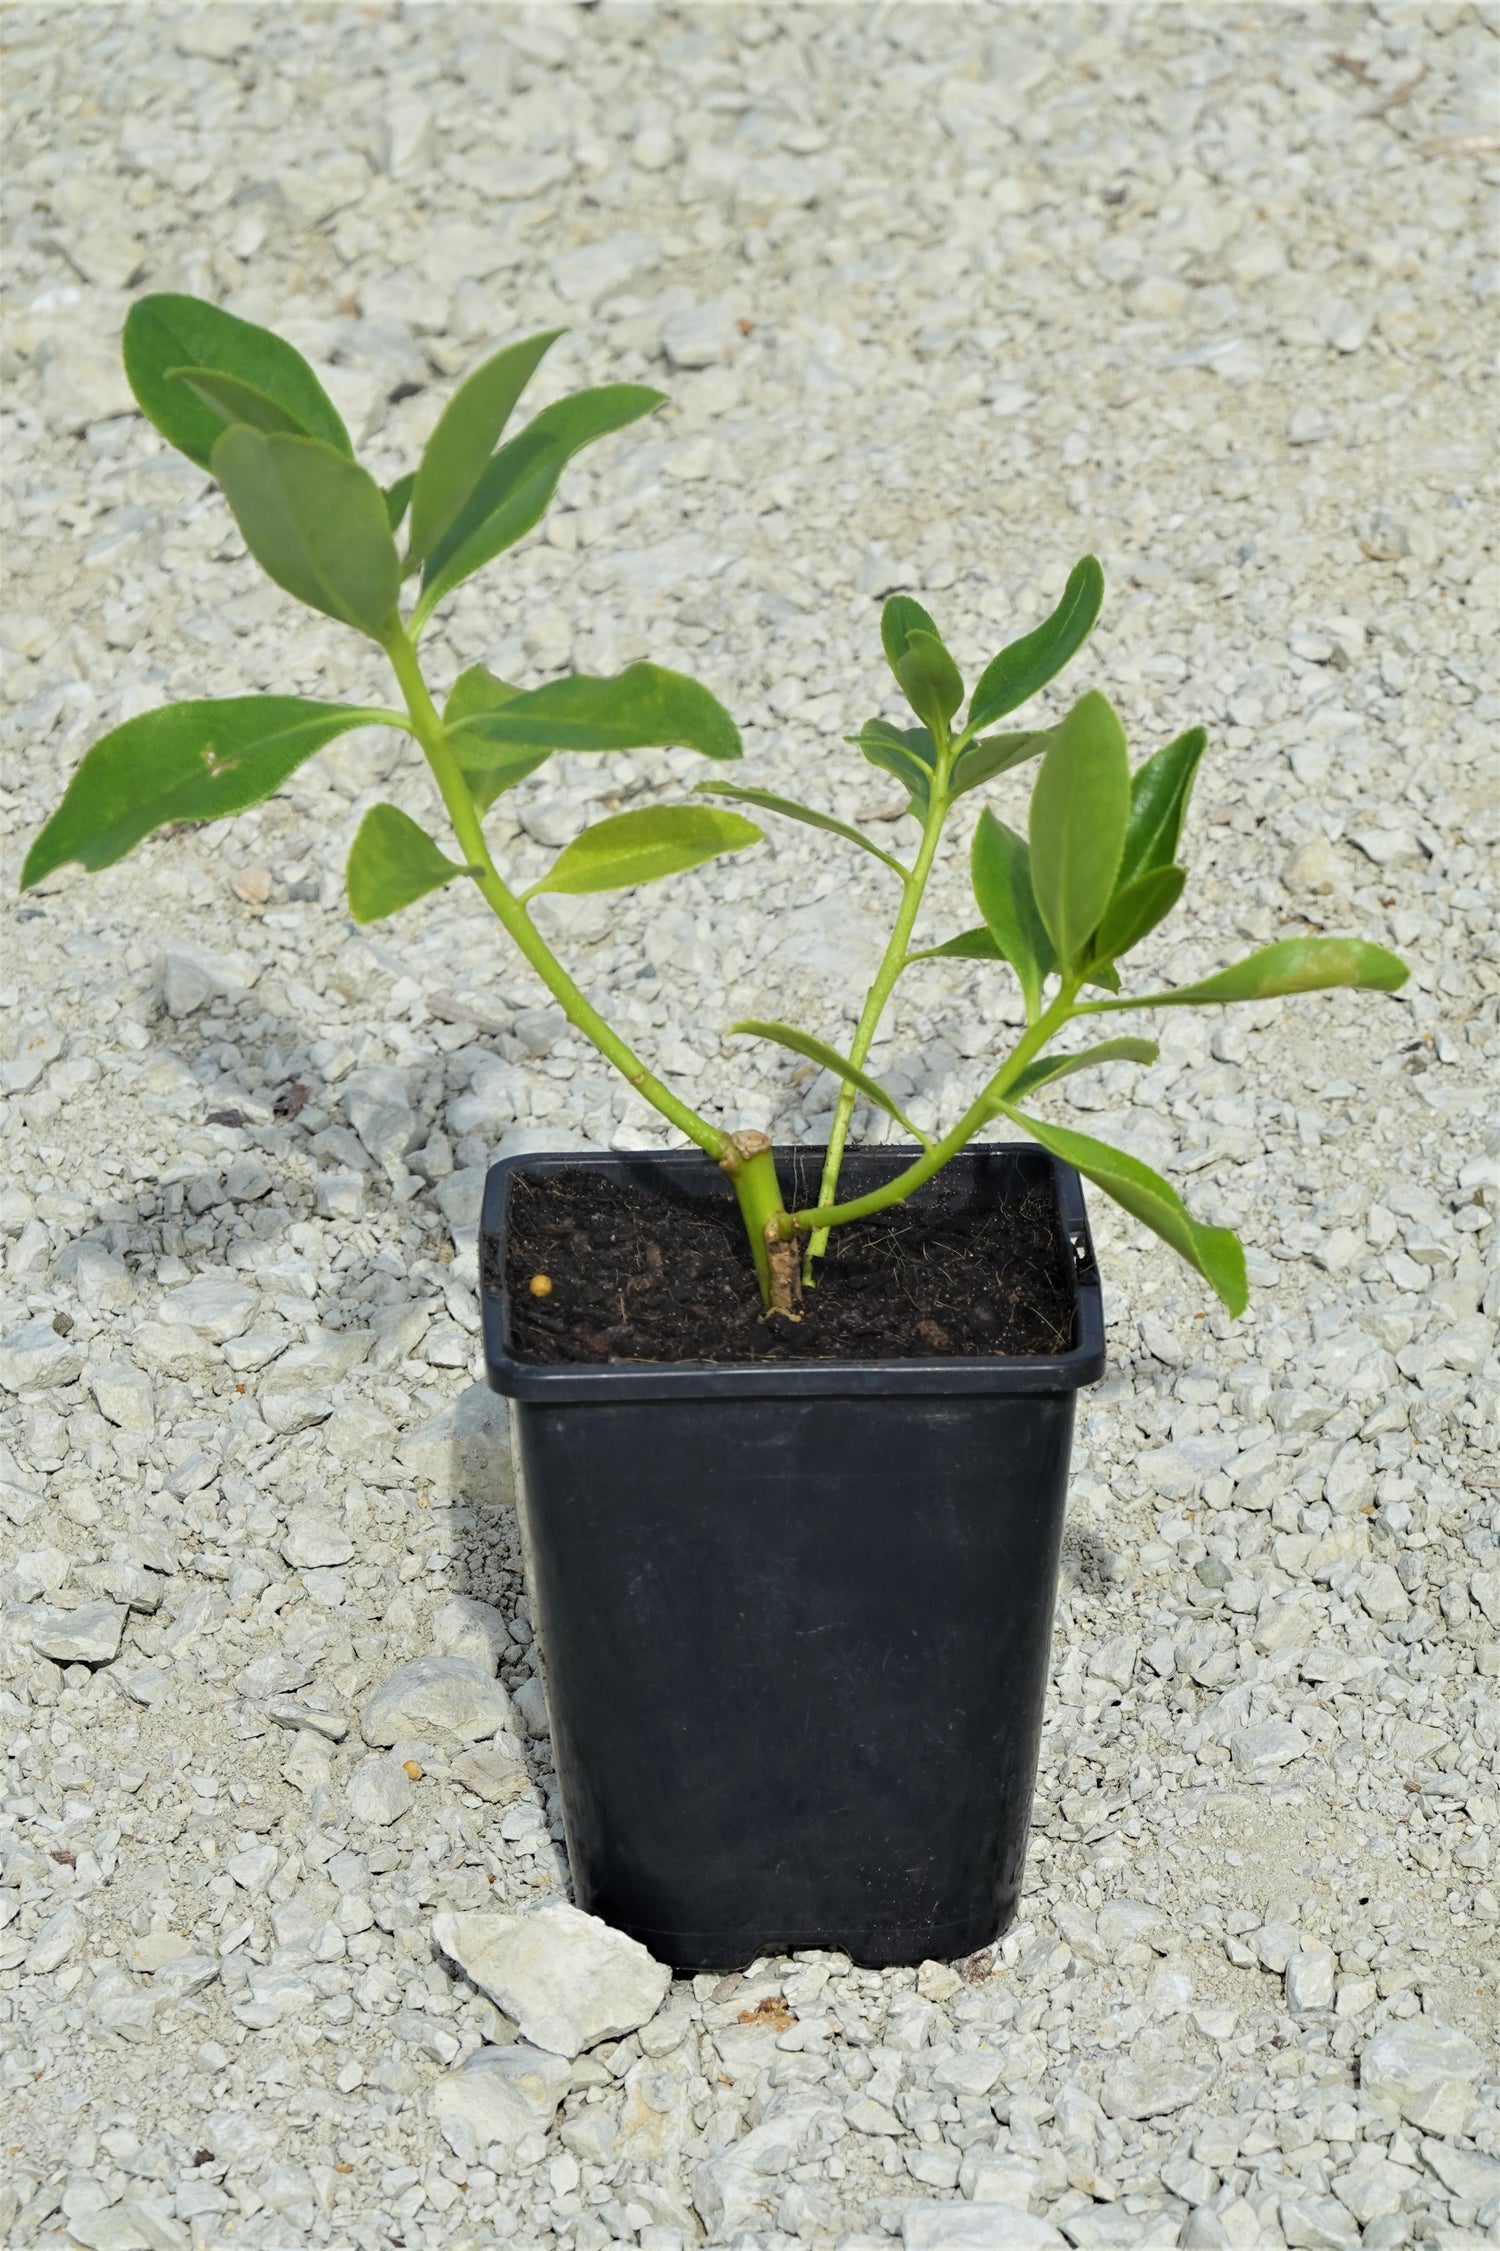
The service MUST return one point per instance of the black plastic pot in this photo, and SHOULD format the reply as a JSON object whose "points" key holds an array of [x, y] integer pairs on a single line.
{"points": [[795, 1616]]}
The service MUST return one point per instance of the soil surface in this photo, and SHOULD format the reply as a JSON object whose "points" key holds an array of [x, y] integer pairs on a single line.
{"points": [[641, 1274]]}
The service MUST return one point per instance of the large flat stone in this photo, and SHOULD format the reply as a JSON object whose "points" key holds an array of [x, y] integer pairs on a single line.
{"points": [[89, 1635], [976, 2227], [1145, 2090], [498, 2095], [1423, 2072], [440, 1699], [466, 1449], [36, 1357], [568, 1980]]}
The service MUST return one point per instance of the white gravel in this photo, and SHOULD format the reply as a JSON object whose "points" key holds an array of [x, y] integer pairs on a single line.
{"points": [[944, 298]]}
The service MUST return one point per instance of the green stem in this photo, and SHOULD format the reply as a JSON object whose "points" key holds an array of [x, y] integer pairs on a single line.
{"points": [[1139, 1000], [751, 1165], [913, 885], [932, 1160], [378, 716], [430, 732]]}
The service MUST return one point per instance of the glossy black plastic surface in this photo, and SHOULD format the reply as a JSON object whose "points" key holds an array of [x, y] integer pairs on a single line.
{"points": [[795, 1617]]}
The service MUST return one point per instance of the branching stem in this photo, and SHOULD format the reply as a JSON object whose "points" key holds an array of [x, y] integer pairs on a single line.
{"points": [[980, 1111], [748, 1160], [893, 961], [430, 732]]}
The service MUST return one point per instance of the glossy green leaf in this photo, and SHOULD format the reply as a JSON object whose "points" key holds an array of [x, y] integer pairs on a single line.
{"points": [[644, 846], [234, 401], [473, 692], [468, 430], [1136, 909], [398, 498], [1079, 807], [1000, 866], [643, 707], [476, 689], [1159, 793], [518, 482], [901, 617], [1214, 1251], [1018, 672], [315, 522], [187, 762], [391, 863], [1292, 965], [906, 752], [994, 754], [1050, 1067], [808, 815], [969, 945], [502, 772], [930, 681], [165, 332], [829, 1059]]}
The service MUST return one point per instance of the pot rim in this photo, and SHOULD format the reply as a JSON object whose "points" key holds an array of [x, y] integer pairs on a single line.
{"points": [[616, 1381]]}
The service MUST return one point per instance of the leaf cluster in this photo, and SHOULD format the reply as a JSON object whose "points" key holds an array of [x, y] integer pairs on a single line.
{"points": [[1095, 872], [1063, 899], [245, 405]]}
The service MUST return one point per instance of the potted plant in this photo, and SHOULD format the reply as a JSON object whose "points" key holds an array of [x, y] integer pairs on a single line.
{"points": [[793, 1427]]}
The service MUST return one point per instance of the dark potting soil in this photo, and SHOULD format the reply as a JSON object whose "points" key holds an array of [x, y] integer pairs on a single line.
{"points": [[656, 1274]]}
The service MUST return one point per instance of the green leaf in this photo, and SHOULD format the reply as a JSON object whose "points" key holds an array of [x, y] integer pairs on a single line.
{"points": [[392, 862], [1159, 793], [906, 752], [994, 754], [1214, 1251], [186, 762], [486, 783], [1052, 1067], [166, 332], [643, 707], [475, 690], [901, 617], [829, 1059], [398, 497], [472, 693], [518, 482], [1292, 965], [644, 846], [1079, 807], [1136, 909], [930, 681], [468, 430], [315, 522], [234, 401], [1001, 869], [807, 814], [969, 945], [1018, 672]]}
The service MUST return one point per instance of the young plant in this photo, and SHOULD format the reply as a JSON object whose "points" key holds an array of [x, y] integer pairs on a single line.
{"points": [[1096, 874], [246, 407]]}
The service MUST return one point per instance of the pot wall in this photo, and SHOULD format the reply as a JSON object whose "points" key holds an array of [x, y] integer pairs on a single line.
{"points": [[796, 1642]]}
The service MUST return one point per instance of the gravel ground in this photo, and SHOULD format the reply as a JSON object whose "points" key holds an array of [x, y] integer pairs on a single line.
{"points": [[944, 297]]}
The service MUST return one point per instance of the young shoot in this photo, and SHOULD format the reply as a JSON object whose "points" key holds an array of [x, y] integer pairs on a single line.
{"points": [[1062, 906]]}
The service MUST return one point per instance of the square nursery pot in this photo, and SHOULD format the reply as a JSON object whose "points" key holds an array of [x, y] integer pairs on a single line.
{"points": [[795, 1615]]}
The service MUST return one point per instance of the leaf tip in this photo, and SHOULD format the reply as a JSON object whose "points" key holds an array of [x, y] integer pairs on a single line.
{"points": [[38, 863], [1232, 1286]]}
